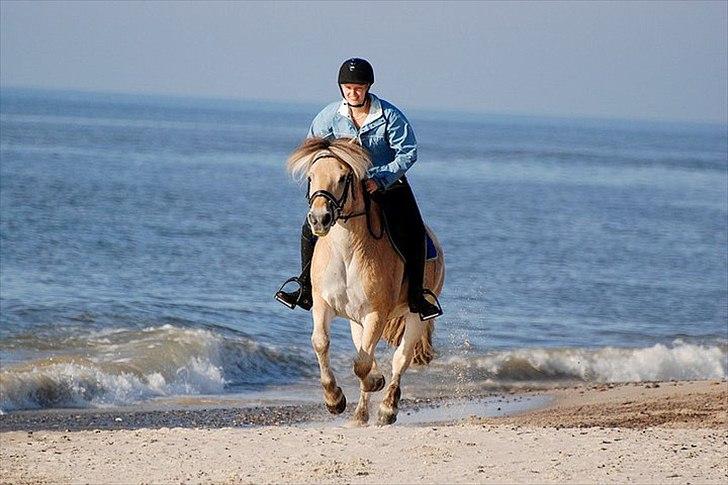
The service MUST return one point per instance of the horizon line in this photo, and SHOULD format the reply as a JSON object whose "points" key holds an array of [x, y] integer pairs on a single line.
{"points": [[422, 110]]}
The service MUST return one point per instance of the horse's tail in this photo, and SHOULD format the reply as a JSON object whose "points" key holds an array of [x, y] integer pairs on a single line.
{"points": [[423, 351]]}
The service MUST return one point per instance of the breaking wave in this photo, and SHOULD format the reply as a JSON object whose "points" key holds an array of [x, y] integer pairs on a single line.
{"points": [[125, 366], [677, 361]]}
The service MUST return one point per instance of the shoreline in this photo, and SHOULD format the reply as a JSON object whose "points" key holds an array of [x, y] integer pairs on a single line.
{"points": [[672, 403], [666, 432], [215, 413]]}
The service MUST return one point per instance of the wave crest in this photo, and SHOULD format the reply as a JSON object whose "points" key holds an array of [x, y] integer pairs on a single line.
{"points": [[679, 361], [126, 366]]}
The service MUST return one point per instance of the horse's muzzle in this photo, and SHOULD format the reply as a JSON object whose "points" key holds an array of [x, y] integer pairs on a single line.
{"points": [[320, 219]]}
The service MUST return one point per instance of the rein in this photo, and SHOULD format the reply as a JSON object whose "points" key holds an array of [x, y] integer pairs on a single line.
{"points": [[338, 204]]}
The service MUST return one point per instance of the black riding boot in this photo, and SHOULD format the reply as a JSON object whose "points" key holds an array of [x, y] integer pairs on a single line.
{"points": [[407, 232], [301, 296]]}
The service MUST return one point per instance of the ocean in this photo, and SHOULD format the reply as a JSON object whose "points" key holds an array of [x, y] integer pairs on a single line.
{"points": [[142, 239]]}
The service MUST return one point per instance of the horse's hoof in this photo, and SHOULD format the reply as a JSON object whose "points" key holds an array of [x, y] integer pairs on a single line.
{"points": [[377, 384], [339, 407], [361, 416], [355, 423], [387, 417]]}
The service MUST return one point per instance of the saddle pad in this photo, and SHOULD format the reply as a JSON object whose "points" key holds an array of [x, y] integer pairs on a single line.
{"points": [[431, 249]]}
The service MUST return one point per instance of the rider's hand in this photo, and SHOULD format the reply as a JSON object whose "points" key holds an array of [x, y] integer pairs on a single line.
{"points": [[371, 186]]}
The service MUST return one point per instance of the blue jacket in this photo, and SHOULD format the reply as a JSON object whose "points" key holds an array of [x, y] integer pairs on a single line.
{"points": [[385, 133]]}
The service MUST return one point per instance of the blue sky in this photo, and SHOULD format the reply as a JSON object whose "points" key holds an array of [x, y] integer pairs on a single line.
{"points": [[651, 60]]}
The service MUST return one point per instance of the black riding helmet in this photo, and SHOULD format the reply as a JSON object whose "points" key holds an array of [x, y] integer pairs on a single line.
{"points": [[355, 71]]}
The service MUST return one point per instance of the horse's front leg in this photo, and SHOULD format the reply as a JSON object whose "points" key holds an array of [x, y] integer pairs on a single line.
{"points": [[365, 366], [361, 414], [320, 339], [400, 361]]}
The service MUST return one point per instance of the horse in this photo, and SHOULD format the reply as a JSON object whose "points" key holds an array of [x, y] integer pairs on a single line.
{"points": [[357, 274]]}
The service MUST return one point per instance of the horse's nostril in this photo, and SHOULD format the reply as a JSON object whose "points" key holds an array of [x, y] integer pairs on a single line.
{"points": [[326, 219], [310, 218]]}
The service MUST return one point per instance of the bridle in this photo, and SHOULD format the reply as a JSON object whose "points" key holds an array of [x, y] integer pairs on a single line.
{"points": [[337, 204]]}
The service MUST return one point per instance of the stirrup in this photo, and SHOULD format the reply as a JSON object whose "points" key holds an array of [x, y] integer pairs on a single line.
{"points": [[280, 292], [437, 310]]}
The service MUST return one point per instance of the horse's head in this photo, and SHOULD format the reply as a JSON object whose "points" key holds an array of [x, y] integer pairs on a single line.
{"points": [[334, 170], [331, 190]]}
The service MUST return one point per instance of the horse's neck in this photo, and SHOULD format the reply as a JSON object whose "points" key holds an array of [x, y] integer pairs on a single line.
{"points": [[354, 236]]}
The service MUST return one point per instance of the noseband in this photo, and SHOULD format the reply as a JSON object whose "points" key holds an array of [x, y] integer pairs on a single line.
{"points": [[337, 204]]}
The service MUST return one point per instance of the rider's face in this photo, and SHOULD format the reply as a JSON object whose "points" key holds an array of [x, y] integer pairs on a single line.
{"points": [[355, 93]]}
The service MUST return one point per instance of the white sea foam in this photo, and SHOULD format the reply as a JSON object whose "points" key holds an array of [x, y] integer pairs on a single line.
{"points": [[80, 384], [678, 361], [181, 361], [169, 360], [140, 364]]}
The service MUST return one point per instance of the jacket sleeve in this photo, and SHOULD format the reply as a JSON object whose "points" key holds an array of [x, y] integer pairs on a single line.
{"points": [[401, 139]]}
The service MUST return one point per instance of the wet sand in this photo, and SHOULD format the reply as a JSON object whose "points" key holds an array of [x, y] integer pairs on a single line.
{"points": [[647, 432], [201, 412], [637, 405]]}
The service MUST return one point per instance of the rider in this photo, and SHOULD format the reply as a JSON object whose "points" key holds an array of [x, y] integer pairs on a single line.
{"points": [[384, 131]]}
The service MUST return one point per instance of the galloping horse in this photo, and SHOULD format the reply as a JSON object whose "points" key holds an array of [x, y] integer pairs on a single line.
{"points": [[357, 274]]}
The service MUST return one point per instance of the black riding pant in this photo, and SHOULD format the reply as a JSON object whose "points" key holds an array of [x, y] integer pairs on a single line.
{"points": [[404, 226], [406, 231]]}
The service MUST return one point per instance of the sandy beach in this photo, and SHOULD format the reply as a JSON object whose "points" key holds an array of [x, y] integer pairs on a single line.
{"points": [[669, 432]]}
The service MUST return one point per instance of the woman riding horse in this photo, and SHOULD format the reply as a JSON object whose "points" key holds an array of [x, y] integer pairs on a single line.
{"points": [[384, 131]]}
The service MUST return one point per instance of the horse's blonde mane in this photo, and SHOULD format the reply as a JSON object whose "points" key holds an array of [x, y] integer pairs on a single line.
{"points": [[346, 150]]}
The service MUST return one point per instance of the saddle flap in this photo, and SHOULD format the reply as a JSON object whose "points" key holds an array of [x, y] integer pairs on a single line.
{"points": [[431, 252]]}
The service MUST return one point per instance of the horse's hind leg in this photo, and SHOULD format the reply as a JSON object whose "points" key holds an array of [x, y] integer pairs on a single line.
{"points": [[400, 361], [333, 396]]}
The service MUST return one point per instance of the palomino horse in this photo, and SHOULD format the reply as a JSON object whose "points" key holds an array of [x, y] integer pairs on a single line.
{"points": [[357, 274]]}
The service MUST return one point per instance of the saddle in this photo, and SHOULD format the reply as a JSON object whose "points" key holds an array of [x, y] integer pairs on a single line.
{"points": [[431, 252]]}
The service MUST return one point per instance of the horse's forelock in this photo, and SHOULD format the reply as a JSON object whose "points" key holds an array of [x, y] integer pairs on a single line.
{"points": [[346, 150], [352, 154], [300, 160]]}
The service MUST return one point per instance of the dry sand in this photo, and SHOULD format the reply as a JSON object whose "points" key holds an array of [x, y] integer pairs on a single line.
{"points": [[645, 433]]}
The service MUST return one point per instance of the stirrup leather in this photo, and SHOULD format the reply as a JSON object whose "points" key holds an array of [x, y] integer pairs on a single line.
{"points": [[438, 311], [279, 293]]}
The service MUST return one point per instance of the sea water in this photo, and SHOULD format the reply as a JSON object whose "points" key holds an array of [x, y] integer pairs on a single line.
{"points": [[142, 239]]}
